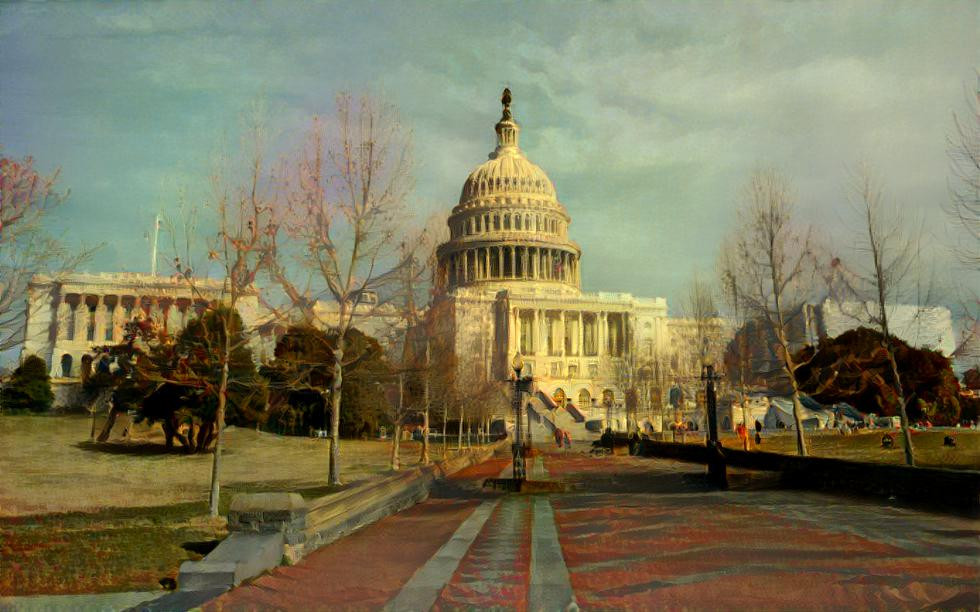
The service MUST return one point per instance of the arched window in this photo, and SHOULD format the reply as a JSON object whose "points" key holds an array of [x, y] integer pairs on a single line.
{"points": [[506, 222], [66, 365], [517, 222], [496, 222]]}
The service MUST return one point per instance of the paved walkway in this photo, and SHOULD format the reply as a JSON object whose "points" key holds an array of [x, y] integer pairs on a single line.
{"points": [[95, 602], [634, 534]]}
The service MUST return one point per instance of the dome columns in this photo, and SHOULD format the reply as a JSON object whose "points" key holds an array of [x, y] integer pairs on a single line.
{"points": [[510, 262]]}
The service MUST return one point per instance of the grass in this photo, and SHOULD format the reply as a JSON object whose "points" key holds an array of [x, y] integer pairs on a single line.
{"points": [[928, 446], [81, 518]]}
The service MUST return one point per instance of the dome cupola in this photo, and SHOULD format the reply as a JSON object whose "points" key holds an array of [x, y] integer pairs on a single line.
{"points": [[509, 225]]}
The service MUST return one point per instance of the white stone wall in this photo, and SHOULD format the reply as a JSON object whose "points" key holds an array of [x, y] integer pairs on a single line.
{"points": [[68, 316], [922, 327]]}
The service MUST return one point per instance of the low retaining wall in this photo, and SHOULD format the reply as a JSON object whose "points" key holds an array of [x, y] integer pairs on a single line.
{"points": [[954, 490], [270, 529]]}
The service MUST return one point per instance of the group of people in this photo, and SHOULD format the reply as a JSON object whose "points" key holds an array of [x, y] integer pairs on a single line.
{"points": [[562, 438], [742, 431]]}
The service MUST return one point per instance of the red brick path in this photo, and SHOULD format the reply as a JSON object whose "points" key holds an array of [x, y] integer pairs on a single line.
{"points": [[649, 534]]}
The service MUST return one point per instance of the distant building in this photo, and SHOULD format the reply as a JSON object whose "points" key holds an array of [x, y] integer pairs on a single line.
{"points": [[928, 327], [67, 316]]}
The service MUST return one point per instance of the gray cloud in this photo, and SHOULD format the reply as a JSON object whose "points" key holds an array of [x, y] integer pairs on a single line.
{"points": [[648, 116]]}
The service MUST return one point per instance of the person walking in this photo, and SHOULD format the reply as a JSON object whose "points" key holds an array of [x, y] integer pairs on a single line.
{"points": [[743, 434]]}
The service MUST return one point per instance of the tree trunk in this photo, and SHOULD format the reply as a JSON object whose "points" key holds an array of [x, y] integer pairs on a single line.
{"points": [[189, 443], [445, 419], [219, 422], [396, 445], [790, 370], [459, 432], [396, 438], [110, 420], [424, 459], [903, 413], [168, 433], [335, 393]]}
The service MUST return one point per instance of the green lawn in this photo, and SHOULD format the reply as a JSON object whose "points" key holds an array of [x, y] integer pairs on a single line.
{"points": [[77, 519], [928, 445]]}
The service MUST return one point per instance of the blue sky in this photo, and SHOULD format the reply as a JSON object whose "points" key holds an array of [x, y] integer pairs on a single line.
{"points": [[647, 116]]}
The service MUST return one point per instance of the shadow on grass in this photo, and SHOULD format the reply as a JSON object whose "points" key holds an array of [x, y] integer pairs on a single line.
{"points": [[201, 548], [144, 449]]}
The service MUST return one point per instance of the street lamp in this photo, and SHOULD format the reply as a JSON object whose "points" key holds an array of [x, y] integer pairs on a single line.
{"points": [[716, 459], [517, 363]]}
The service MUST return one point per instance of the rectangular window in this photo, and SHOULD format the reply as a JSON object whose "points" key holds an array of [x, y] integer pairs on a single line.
{"points": [[593, 370], [556, 369]]}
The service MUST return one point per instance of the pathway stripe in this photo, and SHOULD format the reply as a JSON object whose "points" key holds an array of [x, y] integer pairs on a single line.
{"points": [[551, 587], [421, 591], [537, 468]]}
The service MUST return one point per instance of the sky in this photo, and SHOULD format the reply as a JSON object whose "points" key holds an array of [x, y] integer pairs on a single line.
{"points": [[648, 117]]}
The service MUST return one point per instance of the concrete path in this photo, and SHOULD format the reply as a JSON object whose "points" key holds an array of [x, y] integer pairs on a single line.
{"points": [[95, 602], [634, 533], [423, 588]]}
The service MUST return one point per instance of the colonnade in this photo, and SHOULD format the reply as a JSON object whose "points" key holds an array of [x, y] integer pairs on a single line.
{"points": [[566, 333], [101, 318], [487, 222], [512, 262]]}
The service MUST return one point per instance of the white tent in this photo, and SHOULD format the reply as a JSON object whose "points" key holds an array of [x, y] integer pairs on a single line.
{"points": [[781, 411]]}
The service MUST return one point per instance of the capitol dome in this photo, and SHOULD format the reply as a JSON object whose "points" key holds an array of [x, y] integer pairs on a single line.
{"points": [[509, 225], [507, 172]]}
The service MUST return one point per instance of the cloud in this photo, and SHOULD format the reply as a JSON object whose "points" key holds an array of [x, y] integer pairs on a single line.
{"points": [[648, 116]]}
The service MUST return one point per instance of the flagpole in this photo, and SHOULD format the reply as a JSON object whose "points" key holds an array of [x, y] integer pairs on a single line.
{"points": [[153, 254]]}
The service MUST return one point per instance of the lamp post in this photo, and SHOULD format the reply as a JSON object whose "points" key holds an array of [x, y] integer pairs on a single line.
{"points": [[716, 459], [518, 450]]}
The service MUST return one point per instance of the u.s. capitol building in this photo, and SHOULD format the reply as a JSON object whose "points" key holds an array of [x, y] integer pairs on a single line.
{"points": [[509, 281]]}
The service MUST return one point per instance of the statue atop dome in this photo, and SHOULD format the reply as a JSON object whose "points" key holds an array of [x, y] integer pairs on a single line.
{"points": [[505, 100]]}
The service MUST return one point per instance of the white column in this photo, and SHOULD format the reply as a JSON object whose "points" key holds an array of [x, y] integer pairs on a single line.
{"points": [[81, 319], [513, 339], [64, 318], [601, 333], [580, 349], [561, 333], [535, 333], [100, 320], [118, 320]]}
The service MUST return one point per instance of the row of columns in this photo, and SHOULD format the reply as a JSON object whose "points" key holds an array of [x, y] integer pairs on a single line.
{"points": [[519, 262], [495, 222], [541, 334], [101, 318]]}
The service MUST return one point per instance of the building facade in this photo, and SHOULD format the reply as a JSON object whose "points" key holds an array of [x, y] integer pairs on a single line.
{"points": [[69, 315], [509, 281]]}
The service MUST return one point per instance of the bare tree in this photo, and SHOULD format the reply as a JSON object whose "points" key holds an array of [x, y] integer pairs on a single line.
{"points": [[963, 149], [883, 272], [342, 209], [27, 198], [241, 249], [699, 306], [771, 269], [413, 343], [738, 354], [963, 208]]}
